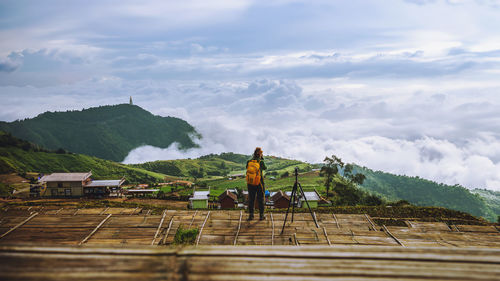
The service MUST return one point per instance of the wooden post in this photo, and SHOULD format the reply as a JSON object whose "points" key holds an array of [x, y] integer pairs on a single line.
{"points": [[272, 236], [18, 225], [371, 222], [201, 229], [295, 239], [352, 237], [159, 226], [164, 239], [336, 221], [95, 230], [393, 237], [238, 232], [104, 211], [192, 220], [326, 236]]}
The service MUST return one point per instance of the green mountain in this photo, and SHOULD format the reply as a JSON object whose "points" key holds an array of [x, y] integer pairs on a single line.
{"points": [[108, 132], [18, 156]]}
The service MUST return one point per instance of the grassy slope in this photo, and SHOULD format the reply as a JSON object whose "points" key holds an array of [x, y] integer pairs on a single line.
{"points": [[220, 165], [20, 156], [392, 187], [107, 132]]}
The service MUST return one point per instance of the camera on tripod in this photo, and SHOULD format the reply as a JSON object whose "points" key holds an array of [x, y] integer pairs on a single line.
{"points": [[294, 198]]}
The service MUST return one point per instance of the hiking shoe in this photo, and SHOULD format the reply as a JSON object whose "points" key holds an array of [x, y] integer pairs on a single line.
{"points": [[250, 218], [262, 217]]}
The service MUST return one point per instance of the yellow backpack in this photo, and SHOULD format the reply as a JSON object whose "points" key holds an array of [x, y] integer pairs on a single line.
{"points": [[253, 172]]}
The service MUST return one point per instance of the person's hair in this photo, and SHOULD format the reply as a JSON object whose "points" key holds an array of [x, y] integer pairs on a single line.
{"points": [[257, 152]]}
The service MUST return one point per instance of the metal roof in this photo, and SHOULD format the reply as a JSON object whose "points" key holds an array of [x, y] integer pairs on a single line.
{"points": [[200, 195], [66, 177], [311, 196], [229, 194], [142, 190], [105, 183]]}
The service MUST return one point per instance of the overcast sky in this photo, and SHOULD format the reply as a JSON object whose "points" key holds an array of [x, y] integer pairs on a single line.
{"points": [[408, 87]]}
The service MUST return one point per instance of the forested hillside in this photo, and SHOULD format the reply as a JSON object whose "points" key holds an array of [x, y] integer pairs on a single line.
{"points": [[492, 199], [108, 132], [19, 156], [424, 192]]}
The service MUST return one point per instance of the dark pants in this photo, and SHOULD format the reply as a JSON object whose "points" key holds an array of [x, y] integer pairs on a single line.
{"points": [[252, 191]]}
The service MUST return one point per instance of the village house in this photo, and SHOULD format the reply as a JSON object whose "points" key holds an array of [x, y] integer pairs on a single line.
{"points": [[65, 184], [103, 188], [312, 198], [228, 200], [141, 192], [280, 200], [78, 185], [199, 200]]}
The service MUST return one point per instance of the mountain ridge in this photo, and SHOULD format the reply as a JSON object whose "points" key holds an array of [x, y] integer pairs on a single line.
{"points": [[108, 132]]}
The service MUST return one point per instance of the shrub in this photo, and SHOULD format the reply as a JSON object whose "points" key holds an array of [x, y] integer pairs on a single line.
{"points": [[185, 236]]}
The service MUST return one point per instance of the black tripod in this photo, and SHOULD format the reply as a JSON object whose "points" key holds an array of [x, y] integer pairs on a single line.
{"points": [[293, 198]]}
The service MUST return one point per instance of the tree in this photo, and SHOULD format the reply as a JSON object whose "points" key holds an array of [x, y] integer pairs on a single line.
{"points": [[330, 169], [357, 178]]}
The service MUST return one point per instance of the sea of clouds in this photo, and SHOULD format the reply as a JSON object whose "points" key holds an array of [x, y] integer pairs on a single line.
{"points": [[435, 132], [408, 87]]}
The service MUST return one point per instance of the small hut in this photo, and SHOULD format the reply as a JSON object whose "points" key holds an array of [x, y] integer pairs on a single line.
{"points": [[228, 200], [312, 198], [280, 200], [199, 200]]}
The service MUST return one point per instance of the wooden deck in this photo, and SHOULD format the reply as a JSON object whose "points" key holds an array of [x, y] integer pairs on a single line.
{"points": [[122, 226], [249, 263], [50, 243]]}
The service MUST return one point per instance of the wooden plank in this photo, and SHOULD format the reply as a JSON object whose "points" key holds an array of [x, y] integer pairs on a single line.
{"points": [[95, 230], [74, 214], [393, 237], [159, 226], [57, 212], [272, 236], [201, 229], [18, 225], [282, 263], [238, 231], [326, 236]]}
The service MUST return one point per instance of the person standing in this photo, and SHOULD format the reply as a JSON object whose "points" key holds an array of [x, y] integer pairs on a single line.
{"points": [[255, 183]]}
